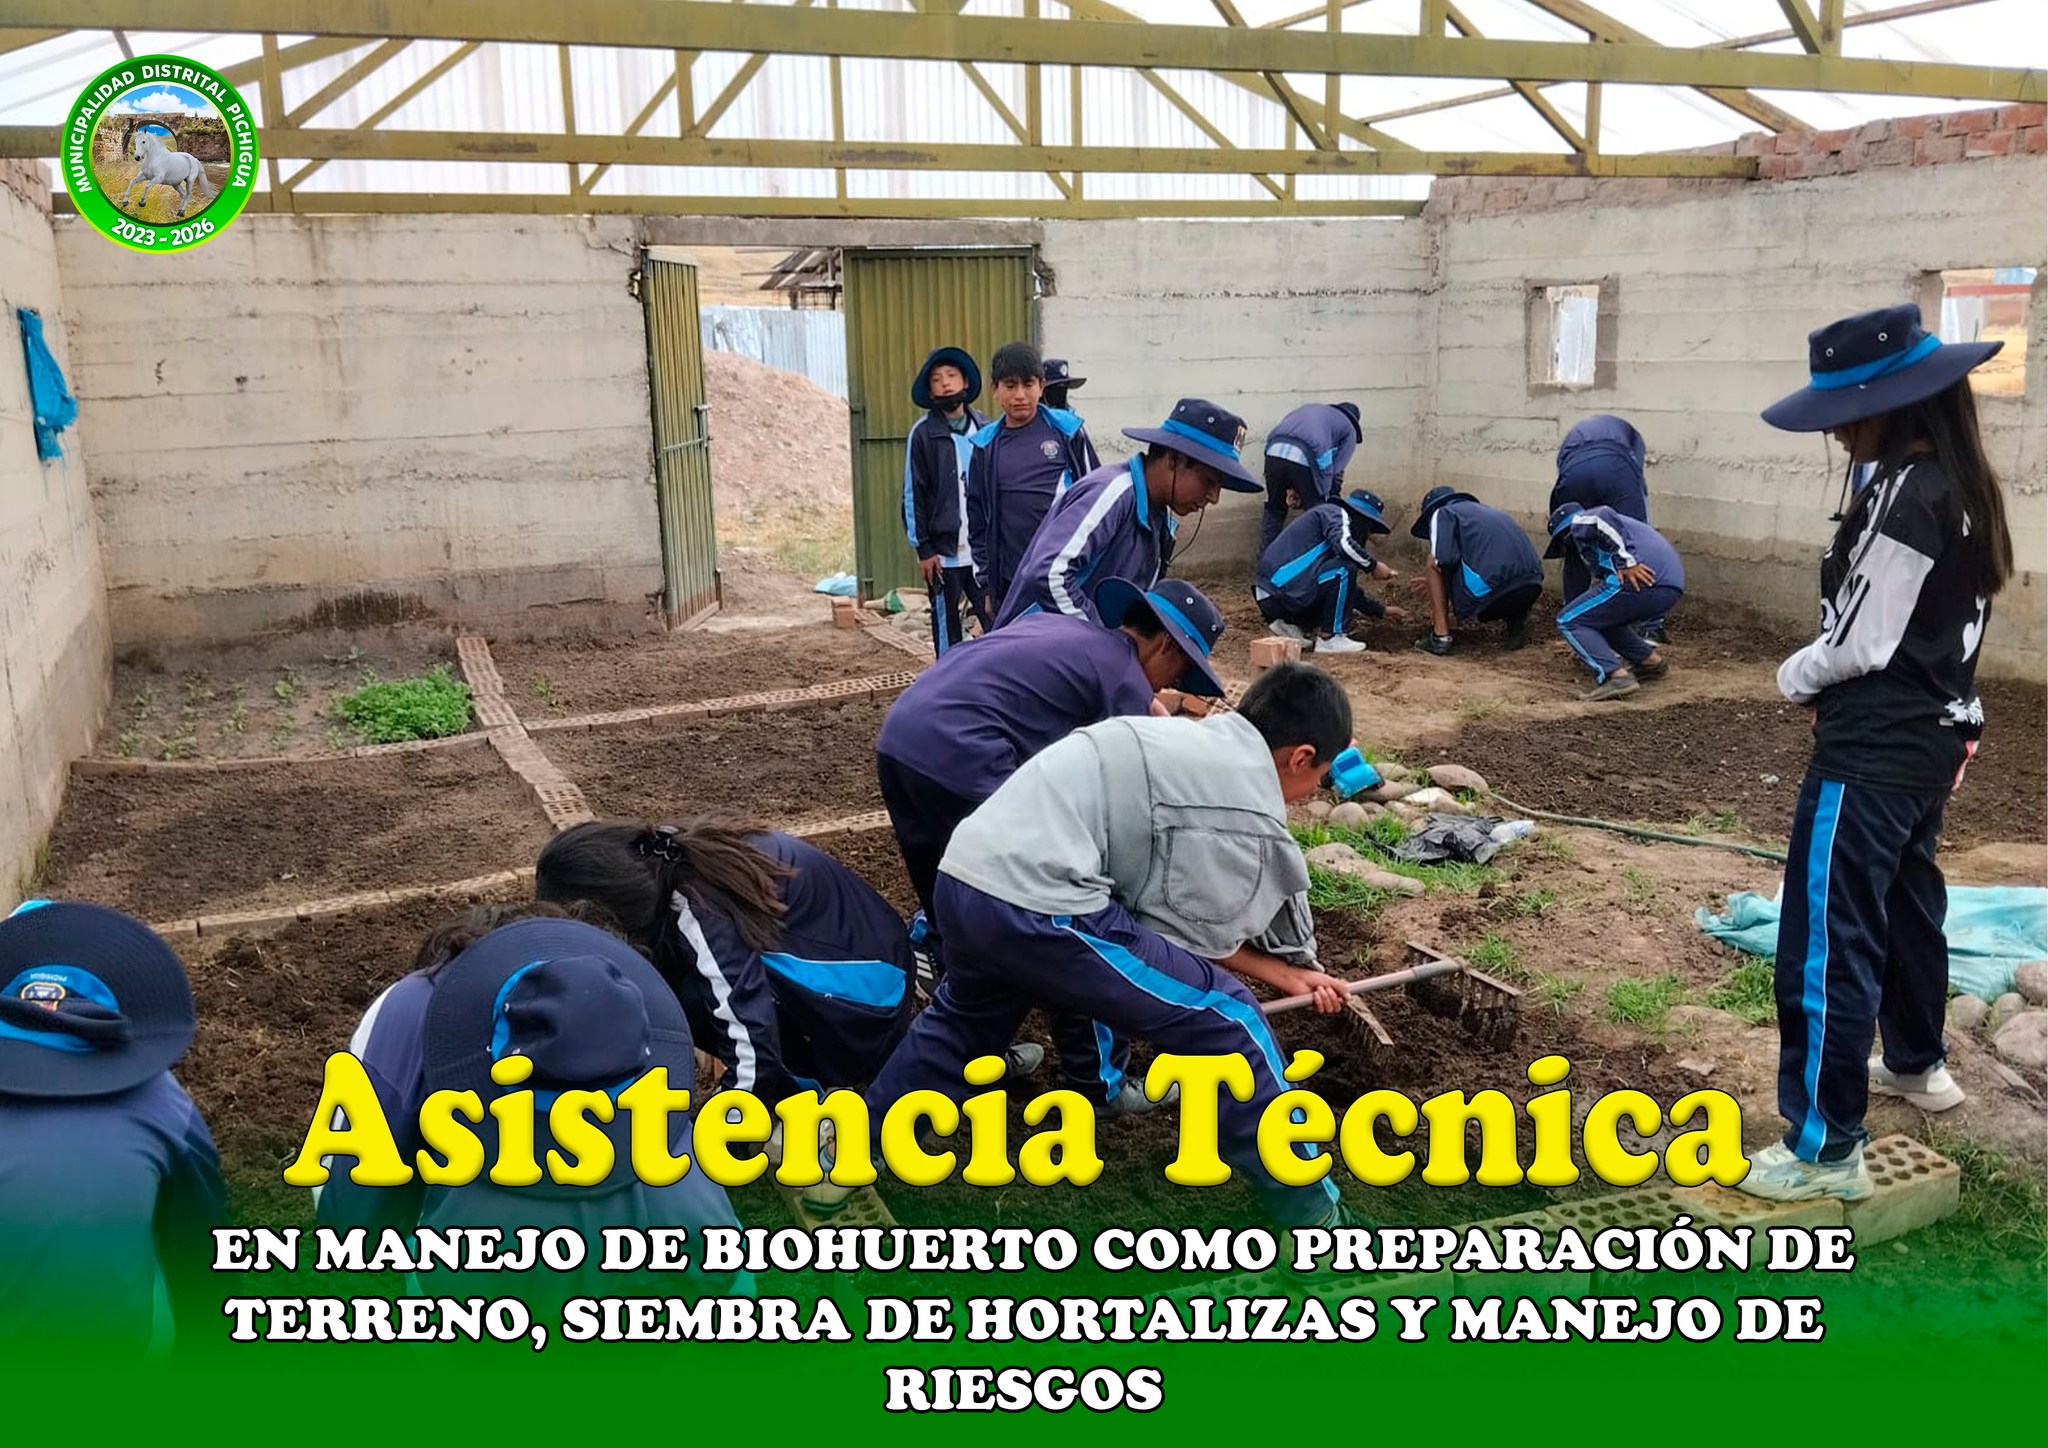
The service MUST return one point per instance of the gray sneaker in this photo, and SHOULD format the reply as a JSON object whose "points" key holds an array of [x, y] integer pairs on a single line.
{"points": [[1280, 629], [1777, 1175], [1615, 686], [1131, 1100], [1025, 1057]]}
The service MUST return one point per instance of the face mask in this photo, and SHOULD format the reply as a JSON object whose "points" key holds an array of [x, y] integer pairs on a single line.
{"points": [[948, 403]]}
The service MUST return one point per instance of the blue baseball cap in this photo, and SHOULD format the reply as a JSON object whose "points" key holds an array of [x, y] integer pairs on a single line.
{"points": [[1367, 504], [1058, 374], [921, 385], [1209, 434], [1186, 614], [91, 1001], [584, 1007]]}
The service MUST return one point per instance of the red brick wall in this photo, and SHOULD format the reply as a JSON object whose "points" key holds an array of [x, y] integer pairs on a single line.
{"points": [[2016, 130]]}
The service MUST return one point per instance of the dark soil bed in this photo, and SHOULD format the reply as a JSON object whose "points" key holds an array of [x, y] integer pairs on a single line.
{"points": [[1711, 756], [172, 846], [775, 768], [588, 674]]}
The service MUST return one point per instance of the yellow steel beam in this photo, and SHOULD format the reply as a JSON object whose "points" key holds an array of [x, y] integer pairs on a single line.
{"points": [[1866, 17], [391, 107], [1009, 119], [1805, 24], [1831, 27], [19, 39], [1318, 130], [554, 148], [1599, 25], [342, 84], [1318, 12], [1538, 102], [1202, 123], [639, 122], [908, 36], [289, 58], [854, 207]]}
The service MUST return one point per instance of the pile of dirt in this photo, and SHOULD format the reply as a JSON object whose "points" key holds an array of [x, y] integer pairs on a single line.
{"points": [[778, 440]]}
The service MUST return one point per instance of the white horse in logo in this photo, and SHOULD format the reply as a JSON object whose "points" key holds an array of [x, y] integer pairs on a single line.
{"points": [[161, 166]]}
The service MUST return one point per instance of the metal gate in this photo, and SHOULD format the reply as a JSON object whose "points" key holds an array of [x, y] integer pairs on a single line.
{"points": [[901, 303], [682, 438]]}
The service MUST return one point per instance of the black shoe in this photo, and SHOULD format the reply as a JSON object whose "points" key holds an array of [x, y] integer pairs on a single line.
{"points": [[1656, 634], [1517, 633], [1656, 670], [1435, 643]]}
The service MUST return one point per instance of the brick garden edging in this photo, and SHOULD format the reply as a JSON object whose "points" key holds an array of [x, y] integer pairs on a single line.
{"points": [[874, 687]]}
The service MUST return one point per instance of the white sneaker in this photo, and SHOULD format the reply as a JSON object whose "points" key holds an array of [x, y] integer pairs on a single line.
{"points": [[1132, 1100], [1282, 630], [1339, 644], [1777, 1175], [1932, 1090]]}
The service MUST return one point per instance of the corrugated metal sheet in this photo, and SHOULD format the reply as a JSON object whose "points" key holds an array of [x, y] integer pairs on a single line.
{"points": [[811, 341], [682, 438], [899, 305]]}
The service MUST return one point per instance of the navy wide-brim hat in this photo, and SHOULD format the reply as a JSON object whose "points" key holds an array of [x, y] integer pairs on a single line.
{"points": [[1435, 498], [921, 385], [1367, 504], [1209, 434], [1870, 364], [1186, 614], [1057, 374], [91, 1001], [1560, 521], [588, 1011]]}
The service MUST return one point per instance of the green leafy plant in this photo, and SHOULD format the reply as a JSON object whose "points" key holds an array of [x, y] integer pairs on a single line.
{"points": [[431, 707], [1495, 955], [288, 687], [1747, 993], [1643, 1002]]}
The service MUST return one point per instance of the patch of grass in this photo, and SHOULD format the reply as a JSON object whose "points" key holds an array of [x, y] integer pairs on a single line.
{"points": [[1639, 887], [1453, 877], [1720, 822], [1532, 902], [1555, 992], [1747, 993], [1557, 847], [1480, 710], [1643, 1003], [2004, 1199], [290, 686], [430, 707], [1495, 954], [1335, 890], [1388, 829]]}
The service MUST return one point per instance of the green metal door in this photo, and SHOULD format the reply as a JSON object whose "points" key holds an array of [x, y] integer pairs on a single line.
{"points": [[682, 438], [901, 303]]}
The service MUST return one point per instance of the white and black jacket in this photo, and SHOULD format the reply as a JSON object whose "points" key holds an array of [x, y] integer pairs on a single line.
{"points": [[1892, 675]]}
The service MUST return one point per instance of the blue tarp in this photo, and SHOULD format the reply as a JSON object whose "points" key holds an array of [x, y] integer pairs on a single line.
{"points": [[55, 407], [1992, 931]]}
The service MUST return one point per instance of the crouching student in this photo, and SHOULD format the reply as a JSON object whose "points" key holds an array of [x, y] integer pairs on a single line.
{"points": [[936, 461], [1636, 578], [1307, 583], [971, 720], [1128, 874], [1119, 521], [1306, 455], [109, 1183], [1481, 566], [1600, 465], [590, 1014], [794, 971]]}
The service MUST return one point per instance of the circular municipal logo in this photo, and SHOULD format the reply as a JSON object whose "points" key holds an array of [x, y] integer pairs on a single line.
{"points": [[159, 153]]}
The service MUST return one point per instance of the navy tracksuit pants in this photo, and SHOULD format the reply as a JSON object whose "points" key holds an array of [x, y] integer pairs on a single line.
{"points": [[1338, 600], [1578, 578], [953, 588], [1601, 624], [924, 814], [1284, 475], [1860, 949], [1004, 960]]}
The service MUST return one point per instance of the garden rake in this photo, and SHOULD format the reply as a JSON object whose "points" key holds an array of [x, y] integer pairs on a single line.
{"points": [[1443, 985]]}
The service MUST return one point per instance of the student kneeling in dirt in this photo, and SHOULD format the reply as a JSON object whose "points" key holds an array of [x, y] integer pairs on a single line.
{"points": [[1481, 566], [1125, 874], [109, 1183], [795, 972], [1636, 581], [972, 719], [1307, 581], [591, 1014]]}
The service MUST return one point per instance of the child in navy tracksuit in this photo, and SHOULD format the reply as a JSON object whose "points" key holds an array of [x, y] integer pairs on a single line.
{"points": [[590, 1013], [109, 1183], [1600, 465], [1059, 381], [1635, 578], [1306, 455], [1308, 577], [936, 461], [1906, 588], [1481, 565], [972, 720], [795, 973], [1023, 463]]}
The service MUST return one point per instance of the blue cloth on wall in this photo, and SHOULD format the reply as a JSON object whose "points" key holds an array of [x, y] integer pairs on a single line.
{"points": [[55, 407], [1992, 931]]}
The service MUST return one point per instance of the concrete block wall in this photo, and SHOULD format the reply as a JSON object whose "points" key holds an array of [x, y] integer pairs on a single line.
{"points": [[54, 653], [1719, 283], [1259, 316], [360, 417]]}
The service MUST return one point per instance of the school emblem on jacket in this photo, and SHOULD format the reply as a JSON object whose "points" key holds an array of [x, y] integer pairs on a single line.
{"points": [[1051, 450], [45, 993]]}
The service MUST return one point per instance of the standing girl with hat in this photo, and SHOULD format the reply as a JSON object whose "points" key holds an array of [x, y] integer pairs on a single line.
{"points": [[795, 973], [1906, 590]]}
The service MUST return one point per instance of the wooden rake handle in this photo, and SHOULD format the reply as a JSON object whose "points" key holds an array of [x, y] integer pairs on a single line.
{"points": [[1427, 971]]}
